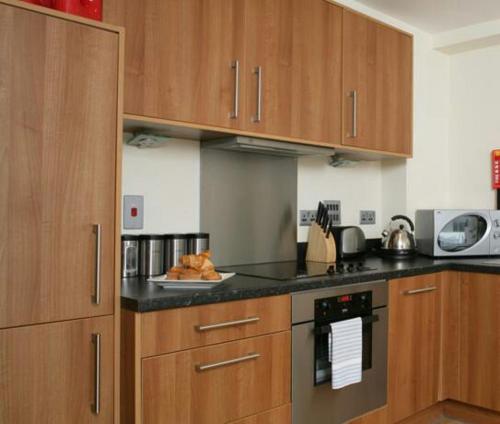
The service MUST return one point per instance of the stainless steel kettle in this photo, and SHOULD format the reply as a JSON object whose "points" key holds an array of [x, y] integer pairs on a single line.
{"points": [[397, 239]]}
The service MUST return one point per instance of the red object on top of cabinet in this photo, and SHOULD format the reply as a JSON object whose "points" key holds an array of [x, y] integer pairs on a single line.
{"points": [[86, 8]]}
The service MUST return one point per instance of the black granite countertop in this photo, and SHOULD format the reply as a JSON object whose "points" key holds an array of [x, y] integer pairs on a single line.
{"points": [[141, 296]]}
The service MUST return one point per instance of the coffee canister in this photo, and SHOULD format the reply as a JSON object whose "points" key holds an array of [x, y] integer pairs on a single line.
{"points": [[152, 255], [130, 255], [198, 242], [176, 245]]}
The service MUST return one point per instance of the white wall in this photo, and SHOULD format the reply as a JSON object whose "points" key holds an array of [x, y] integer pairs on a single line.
{"points": [[474, 126], [357, 187], [169, 179]]}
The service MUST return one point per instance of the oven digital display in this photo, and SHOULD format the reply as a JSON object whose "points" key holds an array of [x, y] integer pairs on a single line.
{"points": [[345, 298]]}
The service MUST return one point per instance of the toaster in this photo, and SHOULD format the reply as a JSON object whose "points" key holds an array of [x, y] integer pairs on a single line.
{"points": [[350, 241]]}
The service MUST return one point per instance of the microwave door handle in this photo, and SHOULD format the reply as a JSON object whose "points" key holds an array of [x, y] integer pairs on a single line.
{"points": [[325, 329]]}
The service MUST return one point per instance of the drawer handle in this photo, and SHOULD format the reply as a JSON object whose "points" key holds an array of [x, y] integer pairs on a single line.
{"points": [[226, 324], [206, 367], [423, 290]]}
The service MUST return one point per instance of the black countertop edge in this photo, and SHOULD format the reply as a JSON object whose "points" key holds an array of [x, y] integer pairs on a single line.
{"points": [[140, 296]]}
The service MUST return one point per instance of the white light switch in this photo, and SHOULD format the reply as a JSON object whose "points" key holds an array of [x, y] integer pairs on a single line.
{"points": [[133, 212]]}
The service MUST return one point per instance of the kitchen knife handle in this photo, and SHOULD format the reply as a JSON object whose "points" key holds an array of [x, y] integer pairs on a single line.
{"points": [[236, 66], [258, 72]]}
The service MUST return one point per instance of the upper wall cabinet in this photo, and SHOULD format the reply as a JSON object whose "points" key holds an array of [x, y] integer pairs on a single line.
{"points": [[270, 68], [377, 69], [182, 58], [293, 55]]}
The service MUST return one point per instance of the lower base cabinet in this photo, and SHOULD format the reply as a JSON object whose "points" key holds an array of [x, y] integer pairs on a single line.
{"points": [[48, 372], [218, 384], [479, 340]]}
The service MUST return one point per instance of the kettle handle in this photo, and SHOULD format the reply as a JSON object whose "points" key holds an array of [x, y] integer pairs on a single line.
{"points": [[404, 218]]}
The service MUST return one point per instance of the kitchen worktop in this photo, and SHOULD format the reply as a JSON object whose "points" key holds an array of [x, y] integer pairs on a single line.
{"points": [[141, 296]]}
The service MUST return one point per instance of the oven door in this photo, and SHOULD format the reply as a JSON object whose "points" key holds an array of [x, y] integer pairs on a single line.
{"points": [[319, 403], [462, 233]]}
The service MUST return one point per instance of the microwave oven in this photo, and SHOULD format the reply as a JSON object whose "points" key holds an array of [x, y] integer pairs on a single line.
{"points": [[453, 232]]}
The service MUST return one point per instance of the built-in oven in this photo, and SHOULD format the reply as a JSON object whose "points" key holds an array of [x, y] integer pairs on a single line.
{"points": [[313, 399]]}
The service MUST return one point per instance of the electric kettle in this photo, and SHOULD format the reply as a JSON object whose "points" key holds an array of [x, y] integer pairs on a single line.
{"points": [[398, 238]]}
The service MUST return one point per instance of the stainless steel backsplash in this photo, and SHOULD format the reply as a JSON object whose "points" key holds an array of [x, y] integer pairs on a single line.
{"points": [[249, 206]]}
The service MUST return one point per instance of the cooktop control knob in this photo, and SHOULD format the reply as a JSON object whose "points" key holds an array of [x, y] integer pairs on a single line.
{"points": [[330, 270], [350, 268]]}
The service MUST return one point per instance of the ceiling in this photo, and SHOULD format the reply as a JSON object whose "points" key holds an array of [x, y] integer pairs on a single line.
{"points": [[438, 15]]}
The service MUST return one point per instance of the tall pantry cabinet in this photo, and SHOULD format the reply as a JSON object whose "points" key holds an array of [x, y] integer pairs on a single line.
{"points": [[59, 161]]}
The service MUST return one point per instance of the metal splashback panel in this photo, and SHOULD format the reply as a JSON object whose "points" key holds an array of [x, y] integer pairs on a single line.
{"points": [[249, 206]]}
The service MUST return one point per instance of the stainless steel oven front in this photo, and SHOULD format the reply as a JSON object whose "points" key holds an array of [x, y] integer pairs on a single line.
{"points": [[313, 399]]}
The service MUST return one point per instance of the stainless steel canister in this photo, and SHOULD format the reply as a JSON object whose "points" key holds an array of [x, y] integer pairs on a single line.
{"points": [[176, 245], [198, 242], [152, 255], [130, 255]]}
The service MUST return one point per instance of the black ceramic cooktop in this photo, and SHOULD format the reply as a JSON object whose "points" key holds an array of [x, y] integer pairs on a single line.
{"points": [[293, 270]]}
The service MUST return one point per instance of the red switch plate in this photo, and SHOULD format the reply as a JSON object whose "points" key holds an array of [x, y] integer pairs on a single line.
{"points": [[133, 212]]}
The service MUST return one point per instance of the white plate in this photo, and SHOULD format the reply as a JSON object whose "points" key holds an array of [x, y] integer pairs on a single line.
{"points": [[189, 284]]}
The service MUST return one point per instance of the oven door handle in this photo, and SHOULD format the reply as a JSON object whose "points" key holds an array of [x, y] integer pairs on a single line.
{"points": [[325, 329]]}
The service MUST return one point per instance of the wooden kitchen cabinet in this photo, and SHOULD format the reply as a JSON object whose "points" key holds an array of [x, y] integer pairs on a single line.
{"points": [[377, 87], [178, 389], [161, 387], [179, 57], [479, 340], [177, 329], [47, 372], [296, 46], [59, 115], [414, 344]]}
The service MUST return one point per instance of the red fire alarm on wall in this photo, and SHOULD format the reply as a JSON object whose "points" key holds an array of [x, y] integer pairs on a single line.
{"points": [[495, 169]]}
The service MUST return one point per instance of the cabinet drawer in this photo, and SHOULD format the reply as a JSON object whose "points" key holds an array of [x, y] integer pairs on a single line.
{"points": [[185, 328], [218, 384], [281, 415]]}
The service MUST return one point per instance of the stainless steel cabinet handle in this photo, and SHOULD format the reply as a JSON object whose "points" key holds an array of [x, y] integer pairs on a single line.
{"points": [[226, 324], [96, 406], [213, 365], [354, 130], [236, 66], [422, 290], [258, 71], [96, 297]]}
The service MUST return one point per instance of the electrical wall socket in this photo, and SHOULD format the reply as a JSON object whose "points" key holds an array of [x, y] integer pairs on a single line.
{"points": [[334, 211], [307, 217], [367, 217]]}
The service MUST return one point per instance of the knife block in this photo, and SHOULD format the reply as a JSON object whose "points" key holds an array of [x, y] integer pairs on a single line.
{"points": [[319, 247]]}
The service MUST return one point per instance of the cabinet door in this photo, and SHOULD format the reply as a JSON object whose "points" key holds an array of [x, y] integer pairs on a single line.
{"points": [[48, 372], [377, 69], [414, 344], [479, 368], [179, 58], [217, 384], [296, 46], [58, 114]]}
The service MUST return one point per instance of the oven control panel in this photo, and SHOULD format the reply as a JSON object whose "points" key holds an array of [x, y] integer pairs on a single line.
{"points": [[342, 307]]}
